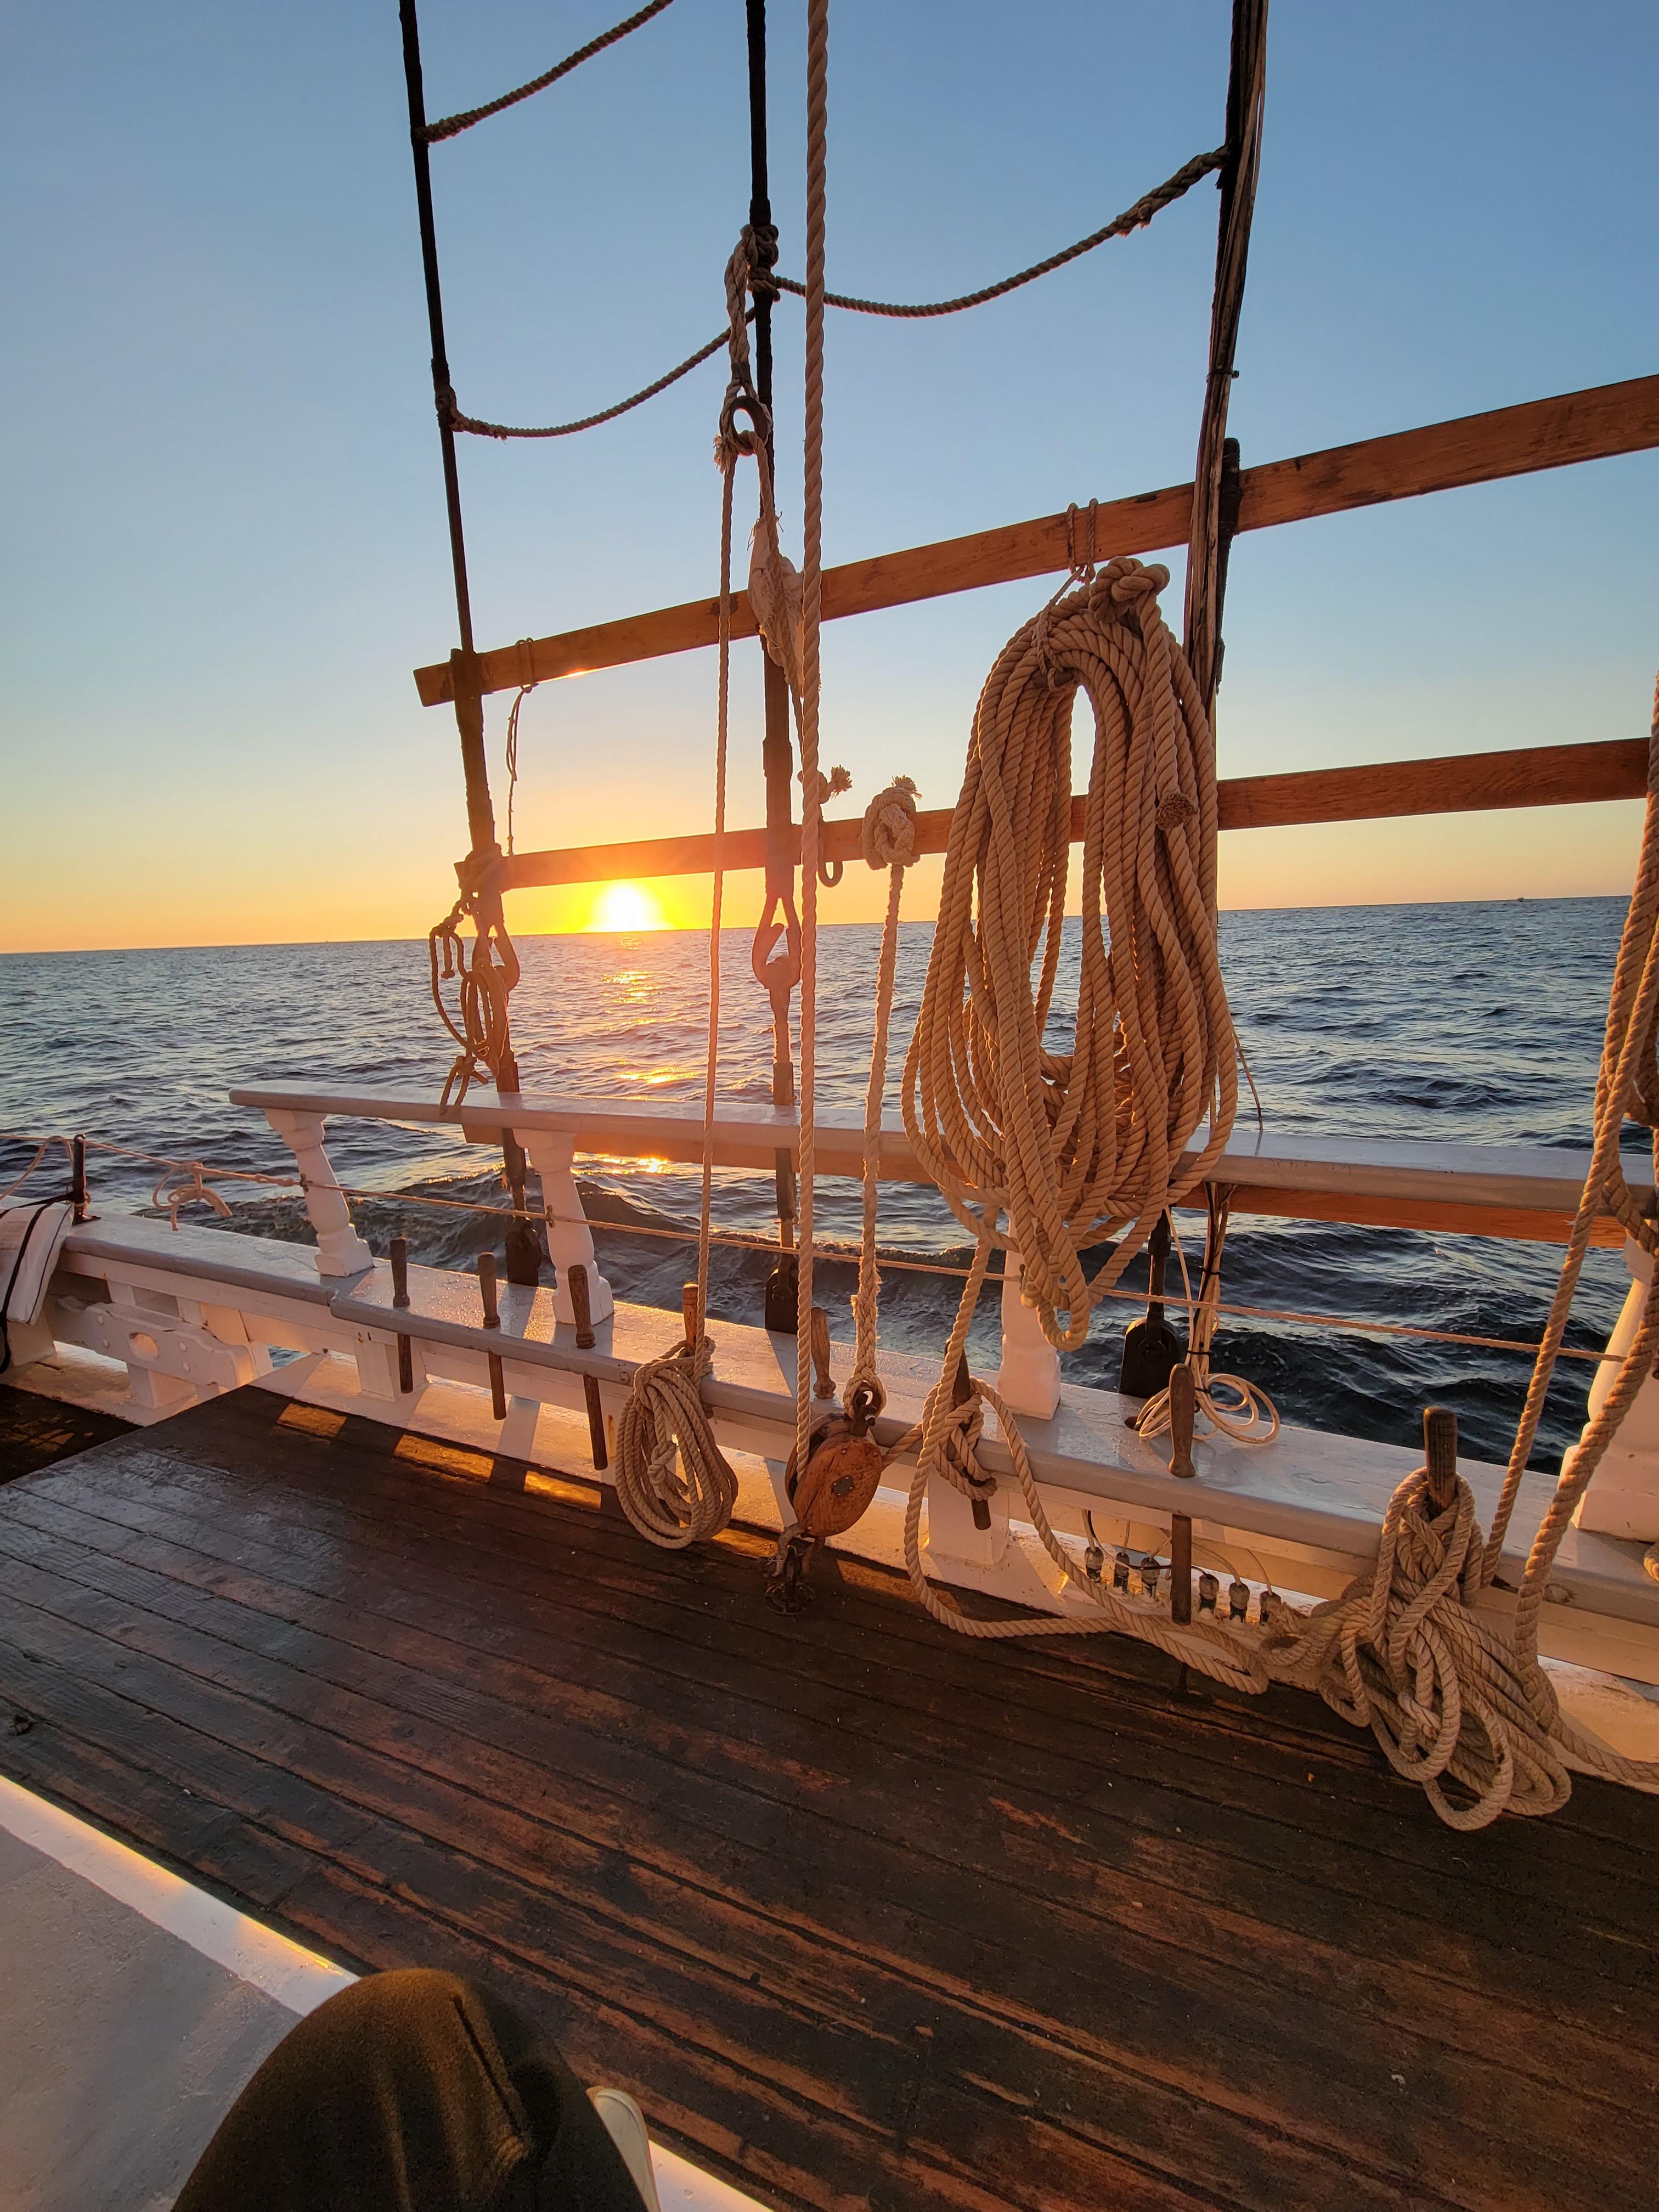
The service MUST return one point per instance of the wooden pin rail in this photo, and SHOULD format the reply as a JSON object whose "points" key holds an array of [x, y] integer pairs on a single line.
{"points": [[1543, 434], [1541, 776]]}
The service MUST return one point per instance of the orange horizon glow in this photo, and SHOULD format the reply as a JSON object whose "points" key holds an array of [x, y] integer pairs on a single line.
{"points": [[123, 902]]}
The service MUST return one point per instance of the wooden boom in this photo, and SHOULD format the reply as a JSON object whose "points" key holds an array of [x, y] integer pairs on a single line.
{"points": [[1541, 775], [1544, 433]]}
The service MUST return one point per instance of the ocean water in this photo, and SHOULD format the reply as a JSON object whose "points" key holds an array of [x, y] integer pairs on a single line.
{"points": [[1473, 1023]]}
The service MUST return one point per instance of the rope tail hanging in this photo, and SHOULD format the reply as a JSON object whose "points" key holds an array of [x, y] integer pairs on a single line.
{"points": [[673, 1482], [888, 839], [817, 100], [1232, 1405]]}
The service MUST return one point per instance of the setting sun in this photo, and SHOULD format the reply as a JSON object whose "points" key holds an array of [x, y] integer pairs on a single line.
{"points": [[627, 906]]}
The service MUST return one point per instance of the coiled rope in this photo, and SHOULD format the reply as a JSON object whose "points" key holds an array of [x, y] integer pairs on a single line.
{"points": [[1063, 1145], [1232, 1405], [1072, 1145]]}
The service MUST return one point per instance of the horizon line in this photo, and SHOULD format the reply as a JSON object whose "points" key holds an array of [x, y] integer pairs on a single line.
{"points": [[730, 929]]}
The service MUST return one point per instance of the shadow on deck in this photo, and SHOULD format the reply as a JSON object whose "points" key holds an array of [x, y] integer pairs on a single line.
{"points": [[863, 1915]]}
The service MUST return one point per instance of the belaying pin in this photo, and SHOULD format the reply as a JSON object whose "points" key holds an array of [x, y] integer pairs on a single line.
{"points": [[1094, 1559]]}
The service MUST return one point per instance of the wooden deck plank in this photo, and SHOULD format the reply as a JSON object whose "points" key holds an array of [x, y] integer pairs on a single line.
{"points": [[880, 2012], [750, 1861], [1564, 2054], [805, 2039], [1132, 1768], [606, 1584]]}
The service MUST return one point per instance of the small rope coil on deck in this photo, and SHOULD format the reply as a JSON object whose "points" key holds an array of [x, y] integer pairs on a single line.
{"points": [[672, 1482], [1402, 1653], [1232, 1405]]}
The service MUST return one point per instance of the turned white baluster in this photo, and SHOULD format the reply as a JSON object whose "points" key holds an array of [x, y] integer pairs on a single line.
{"points": [[569, 1242], [1029, 1378], [340, 1249]]}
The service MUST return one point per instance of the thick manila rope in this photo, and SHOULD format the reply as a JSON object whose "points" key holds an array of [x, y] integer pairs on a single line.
{"points": [[1066, 1143], [1627, 1087], [1070, 1145]]}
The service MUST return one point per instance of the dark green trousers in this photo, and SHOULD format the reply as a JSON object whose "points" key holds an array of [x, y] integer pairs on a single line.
{"points": [[412, 2092]]}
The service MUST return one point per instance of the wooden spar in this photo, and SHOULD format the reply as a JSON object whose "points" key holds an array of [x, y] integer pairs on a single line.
{"points": [[1540, 776], [1543, 434]]}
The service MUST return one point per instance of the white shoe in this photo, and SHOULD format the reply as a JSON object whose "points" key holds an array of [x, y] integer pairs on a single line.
{"points": [[624, 2123]]}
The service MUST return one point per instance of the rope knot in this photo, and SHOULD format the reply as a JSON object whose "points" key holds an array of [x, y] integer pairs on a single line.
{"points": [[888, 836], [1128, 580], [186, 1186]]}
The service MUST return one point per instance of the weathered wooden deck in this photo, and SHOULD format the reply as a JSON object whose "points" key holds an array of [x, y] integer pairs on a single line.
{"points": [[863, 1915]]}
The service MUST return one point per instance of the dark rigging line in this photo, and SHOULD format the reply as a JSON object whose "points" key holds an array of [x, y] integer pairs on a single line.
{"points": [[1132, 218], [451, 126]]}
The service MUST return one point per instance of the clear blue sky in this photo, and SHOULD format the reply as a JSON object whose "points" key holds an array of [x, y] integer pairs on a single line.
{"points": [[224, 546]]}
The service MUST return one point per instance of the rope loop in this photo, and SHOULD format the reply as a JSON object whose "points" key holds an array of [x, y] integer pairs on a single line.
{"points": [[486, 984], [1401, 1653], [187, 1186], [673, 1481]]}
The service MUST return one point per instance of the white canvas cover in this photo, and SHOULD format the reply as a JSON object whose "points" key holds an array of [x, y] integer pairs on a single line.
{"points": [[31, 1236]]}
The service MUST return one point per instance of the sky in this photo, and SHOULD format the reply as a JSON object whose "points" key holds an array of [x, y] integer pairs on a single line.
{"points": [[224, 547]]}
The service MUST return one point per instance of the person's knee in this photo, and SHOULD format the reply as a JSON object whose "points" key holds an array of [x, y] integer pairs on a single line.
{"points": [[399, 2035]]}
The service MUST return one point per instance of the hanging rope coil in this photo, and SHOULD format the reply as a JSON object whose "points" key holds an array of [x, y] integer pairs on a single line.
{"points": [[1458, 1700], [1072, 1144], [479, 1026]]}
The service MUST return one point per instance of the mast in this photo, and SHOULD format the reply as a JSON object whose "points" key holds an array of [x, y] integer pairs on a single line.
{"points": [[777, 749], [523, 1244]]}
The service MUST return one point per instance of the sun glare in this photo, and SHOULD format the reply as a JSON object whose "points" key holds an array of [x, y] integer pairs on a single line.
{"points": [[627, 906]]}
